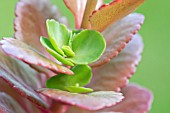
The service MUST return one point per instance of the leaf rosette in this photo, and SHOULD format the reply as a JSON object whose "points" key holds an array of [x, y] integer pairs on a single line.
{"points": [[71, 47]]}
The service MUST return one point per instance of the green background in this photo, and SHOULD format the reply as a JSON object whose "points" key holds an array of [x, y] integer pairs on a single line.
{"points": [[154, 70]]}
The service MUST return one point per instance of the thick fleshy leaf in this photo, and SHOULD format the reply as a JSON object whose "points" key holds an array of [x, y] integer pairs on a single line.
{"points": [[78, 89], [142, 100], [99, 3], [21, 51], [84, 46], [47, 44], [30, 21], [115, 74], [9, 105], [77, 7], [137, 100], [108, 14], [118, 35], [82, 76], [58, 34], [19, 81], [90, 7], [91, 101]]}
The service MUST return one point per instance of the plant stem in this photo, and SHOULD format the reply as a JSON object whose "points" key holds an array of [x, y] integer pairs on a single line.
{"points": [[90, 6]]}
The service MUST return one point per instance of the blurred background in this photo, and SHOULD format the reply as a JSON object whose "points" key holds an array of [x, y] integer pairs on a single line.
{"points": [[154, 69]]}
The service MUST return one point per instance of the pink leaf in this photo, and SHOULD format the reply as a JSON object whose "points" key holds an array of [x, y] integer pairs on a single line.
{"points": [[30, 21], [77, 7], [118, 35], [91, 101], [27, 54], [137, 100], [115, 74], [9, 105], [108, 14], [19, 81]]}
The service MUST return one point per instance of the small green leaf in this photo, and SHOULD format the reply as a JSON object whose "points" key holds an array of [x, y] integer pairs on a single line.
{"points": [[46, 43], [58, 34], [68, 51], [75, 31], [72, 36], [82, 76], [88, 46], [75, 89]]}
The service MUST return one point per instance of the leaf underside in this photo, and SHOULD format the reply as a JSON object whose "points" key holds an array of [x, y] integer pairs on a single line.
{"points": [[19, 81], [9, 105], [77, 7]]}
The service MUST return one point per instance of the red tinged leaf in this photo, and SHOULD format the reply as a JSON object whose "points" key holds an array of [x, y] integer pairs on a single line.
{"points": [[30, 21], [115, 74], [77, 7], [19, 81], [91, 101], [99, 3], [137, 100], [21, 51], [108, 14], [118, 35], [9, 105]]}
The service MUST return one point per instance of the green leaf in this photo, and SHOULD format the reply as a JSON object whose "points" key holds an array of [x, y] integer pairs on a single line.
{"points": [[82, 76], [77, 89], [58, 34], [68, 51], [88, 46], [46, 43], [72, 36]]}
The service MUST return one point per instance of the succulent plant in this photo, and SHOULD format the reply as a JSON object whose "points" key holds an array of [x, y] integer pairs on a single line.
{"points": [[49, 68]]}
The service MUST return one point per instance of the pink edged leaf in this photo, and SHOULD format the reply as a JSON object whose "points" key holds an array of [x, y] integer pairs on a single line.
{"points": [[9, 105], [108, 14], [99, 3], [90, 101], [77, 7], [19, 81], [26, 101], [115, 74], [90, 7], [21, 51], [137, 100], [118, 35], [30, 21]]}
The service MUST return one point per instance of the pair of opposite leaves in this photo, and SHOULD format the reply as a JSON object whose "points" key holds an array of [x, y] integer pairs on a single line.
{"points": [[74, 48]]}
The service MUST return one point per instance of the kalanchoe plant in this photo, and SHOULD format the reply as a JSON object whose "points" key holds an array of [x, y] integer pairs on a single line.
{"points": [[51, 79], [77, 48]]}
